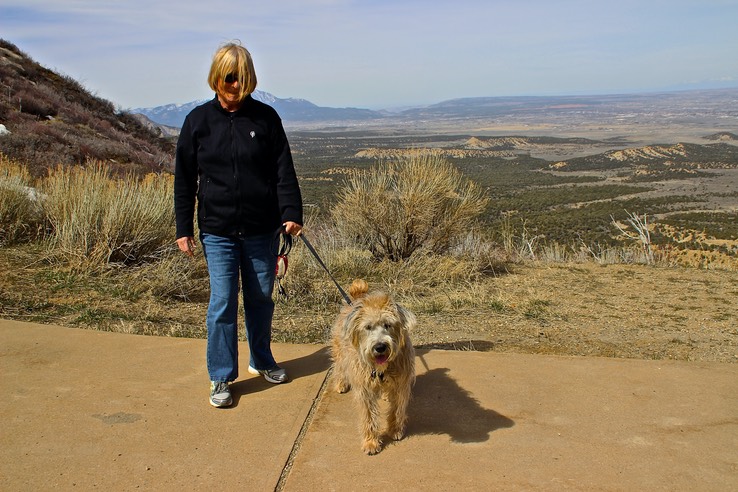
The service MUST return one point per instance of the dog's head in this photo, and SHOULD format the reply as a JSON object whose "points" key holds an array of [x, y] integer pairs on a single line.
{"points": [[376, 325]]}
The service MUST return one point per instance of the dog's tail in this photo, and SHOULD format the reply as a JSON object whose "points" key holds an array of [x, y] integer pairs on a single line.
{"points": [[358, 289]]}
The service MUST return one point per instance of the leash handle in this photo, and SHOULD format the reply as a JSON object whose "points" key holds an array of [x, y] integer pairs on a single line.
{"points": [[283, 246], [315, 254], [284, 242]]}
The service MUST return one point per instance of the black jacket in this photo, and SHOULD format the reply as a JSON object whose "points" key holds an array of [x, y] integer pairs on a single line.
{"points": [[239, 167]]}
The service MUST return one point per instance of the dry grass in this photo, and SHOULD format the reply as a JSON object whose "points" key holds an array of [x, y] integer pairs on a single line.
{"points": [[477, 296], [635, 311], [21, 217], [97, 220]]}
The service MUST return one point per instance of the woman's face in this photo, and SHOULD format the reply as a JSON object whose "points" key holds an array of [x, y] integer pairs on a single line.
{"points": [[230, 92]]}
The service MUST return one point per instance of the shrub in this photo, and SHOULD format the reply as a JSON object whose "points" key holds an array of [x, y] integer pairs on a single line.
{"points": [[97, 219], [425, 276], [398, 208], [21, 216], [34, 106]]}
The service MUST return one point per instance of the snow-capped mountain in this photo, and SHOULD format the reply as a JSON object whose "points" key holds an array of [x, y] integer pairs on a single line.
{"points": [[290, 110]]}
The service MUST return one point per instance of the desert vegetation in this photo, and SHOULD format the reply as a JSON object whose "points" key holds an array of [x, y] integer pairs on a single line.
{"points": [[419, 203], [495, 242], [85, 247]]}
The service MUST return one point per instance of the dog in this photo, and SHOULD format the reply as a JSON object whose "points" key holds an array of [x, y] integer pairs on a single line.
{"points": [[373, 355]]}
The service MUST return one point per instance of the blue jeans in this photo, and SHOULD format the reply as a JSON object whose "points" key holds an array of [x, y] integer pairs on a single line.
{"points": [[255, 258]]}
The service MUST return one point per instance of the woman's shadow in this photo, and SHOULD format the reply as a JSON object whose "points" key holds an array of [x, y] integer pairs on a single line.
{"points": [[440, 406], [308, 365]]}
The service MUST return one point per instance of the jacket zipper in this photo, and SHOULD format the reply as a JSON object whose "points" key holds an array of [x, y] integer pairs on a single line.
{"points": [[234, 168]]}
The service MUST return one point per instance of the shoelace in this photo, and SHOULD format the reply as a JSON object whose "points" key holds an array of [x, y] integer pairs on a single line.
{"points": [[220, 387]]}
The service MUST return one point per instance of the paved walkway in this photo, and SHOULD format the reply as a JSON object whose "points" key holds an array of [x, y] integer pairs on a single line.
{"points": [[90, 410]]}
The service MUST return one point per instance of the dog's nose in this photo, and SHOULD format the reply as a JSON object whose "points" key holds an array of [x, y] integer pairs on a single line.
{"points": [[380, 348]]}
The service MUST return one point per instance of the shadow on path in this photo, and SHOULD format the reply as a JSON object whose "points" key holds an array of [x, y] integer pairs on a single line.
{"points": [[441, 406], [318, 361]]}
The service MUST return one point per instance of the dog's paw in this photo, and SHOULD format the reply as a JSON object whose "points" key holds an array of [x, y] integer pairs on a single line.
{"points": [[396, 427], [398, 436], [397, 433], [371, 446]]}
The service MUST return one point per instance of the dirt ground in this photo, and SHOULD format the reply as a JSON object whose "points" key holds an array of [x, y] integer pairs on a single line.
{"points": [[579, 309], [628, 311]]}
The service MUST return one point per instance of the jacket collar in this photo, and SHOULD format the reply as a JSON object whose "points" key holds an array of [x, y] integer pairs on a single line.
{"points": [[248, 101]]}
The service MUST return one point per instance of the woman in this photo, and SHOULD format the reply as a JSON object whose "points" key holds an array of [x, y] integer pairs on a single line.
{"points": [[234, 161]]}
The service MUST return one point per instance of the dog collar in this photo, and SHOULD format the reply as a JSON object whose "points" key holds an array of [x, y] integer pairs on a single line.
{"points": [[380, 375]]}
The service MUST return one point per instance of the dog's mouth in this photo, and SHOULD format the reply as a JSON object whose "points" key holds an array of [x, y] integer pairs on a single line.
{"points": [[381, 353], [381, 359]]}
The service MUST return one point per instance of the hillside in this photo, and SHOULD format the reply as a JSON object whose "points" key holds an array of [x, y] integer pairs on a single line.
{"points": [[50, 119], [677, 156]]}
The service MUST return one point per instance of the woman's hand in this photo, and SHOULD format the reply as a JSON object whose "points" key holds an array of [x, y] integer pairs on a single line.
{"points": [[187, 245], [292, 228]]}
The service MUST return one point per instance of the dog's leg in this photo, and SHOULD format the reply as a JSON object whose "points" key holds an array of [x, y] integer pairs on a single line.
{"points": [[397, 417], [370, 422], [340, 369], [340, 381]]}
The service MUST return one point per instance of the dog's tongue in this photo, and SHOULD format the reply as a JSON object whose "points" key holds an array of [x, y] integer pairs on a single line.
{"points": [[380, 359]]}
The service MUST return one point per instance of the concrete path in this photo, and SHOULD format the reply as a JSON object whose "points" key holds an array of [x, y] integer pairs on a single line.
{"points": [[89, 410]]}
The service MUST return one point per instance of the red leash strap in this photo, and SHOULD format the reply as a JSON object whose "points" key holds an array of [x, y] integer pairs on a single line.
{"points": [[285, 245]]}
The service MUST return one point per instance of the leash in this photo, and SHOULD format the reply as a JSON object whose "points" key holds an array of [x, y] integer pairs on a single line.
{"points": [[285, 246], [315, 254]]}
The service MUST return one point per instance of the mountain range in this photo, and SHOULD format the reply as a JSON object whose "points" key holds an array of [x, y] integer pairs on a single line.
{"points": [[291, 109], [713, 108]]}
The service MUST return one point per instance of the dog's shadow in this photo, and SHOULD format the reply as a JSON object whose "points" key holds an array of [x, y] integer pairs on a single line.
{"points": [[440, 406]]}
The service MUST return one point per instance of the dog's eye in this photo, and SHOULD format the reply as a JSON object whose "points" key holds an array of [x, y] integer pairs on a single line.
{"points": [[387, 326]]}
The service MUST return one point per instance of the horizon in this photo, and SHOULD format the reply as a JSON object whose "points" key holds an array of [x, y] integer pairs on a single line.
{"points": [[383, 55], [532, 96]]}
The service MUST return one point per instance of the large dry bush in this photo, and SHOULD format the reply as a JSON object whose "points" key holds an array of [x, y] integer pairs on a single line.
{"points": [[425, 278], [418, 203], [21, 216], [98, 219]]}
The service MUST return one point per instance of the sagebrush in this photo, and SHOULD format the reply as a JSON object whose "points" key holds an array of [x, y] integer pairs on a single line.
{"points": [[420, 202], [98, 220]]}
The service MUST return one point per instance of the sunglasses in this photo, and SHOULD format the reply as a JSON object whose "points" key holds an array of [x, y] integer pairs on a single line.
{"points": [[230, 78]]}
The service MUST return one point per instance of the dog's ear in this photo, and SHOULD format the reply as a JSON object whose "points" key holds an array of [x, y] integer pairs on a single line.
{"points": [[407, 318], [407, 322], [349, 326]]}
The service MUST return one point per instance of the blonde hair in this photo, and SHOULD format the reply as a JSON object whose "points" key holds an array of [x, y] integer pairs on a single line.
{"points": [[233, 58]]}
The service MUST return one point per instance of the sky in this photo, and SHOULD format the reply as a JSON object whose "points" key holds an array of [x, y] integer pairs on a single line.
{"points": [[381, 54]]}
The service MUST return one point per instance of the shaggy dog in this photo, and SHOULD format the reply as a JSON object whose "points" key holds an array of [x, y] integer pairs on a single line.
{"points": [[372, 354]]}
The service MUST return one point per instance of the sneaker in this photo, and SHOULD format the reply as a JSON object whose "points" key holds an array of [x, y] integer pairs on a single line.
{"points": [[274, 375], [220, 394]]}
